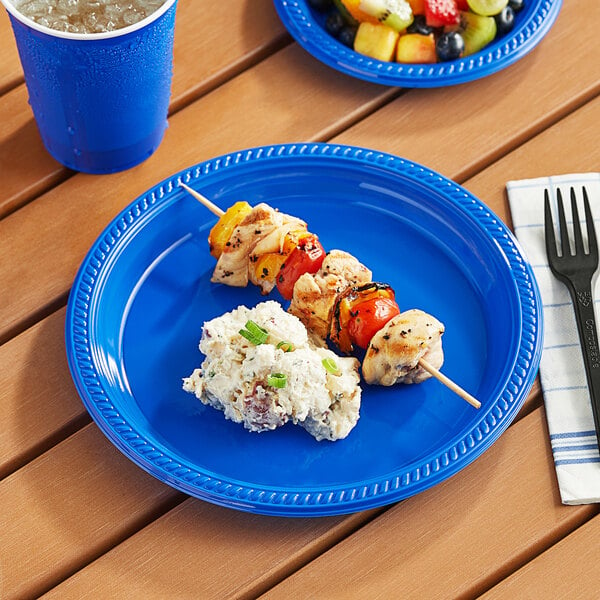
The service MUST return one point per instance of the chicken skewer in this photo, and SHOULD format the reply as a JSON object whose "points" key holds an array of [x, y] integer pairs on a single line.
{"points": [[377, 370]]}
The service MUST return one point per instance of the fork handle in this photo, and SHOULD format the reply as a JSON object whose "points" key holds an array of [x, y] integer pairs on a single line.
{"points": [[581, 294]]}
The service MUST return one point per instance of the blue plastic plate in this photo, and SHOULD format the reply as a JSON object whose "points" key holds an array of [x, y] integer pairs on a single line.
{"points": [[306, 25], [143, 292]]}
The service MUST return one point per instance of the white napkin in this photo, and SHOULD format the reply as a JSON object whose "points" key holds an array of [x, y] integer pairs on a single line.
{"points": [[562, 373]]}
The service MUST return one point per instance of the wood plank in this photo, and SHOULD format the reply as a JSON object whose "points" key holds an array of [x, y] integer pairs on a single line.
{"points": [[11, 73], [39, 402], [264, 95], [27, 169], [569, 146], [69, 506], [568, 569], [203, 59], [205, 551], [457, 539]]}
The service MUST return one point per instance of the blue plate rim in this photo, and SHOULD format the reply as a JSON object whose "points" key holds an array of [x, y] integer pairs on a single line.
{"points": [[298, 19], [86, 296]]}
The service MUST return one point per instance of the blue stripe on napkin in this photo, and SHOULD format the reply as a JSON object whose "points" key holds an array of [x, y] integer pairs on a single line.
{"points": [[575, 447]]}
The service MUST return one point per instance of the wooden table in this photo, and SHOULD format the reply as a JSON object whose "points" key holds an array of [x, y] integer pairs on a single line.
{"points": [[79, 520]]}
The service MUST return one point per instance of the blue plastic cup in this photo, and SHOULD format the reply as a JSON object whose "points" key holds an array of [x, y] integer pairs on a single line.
{"points": [[100, 100]]}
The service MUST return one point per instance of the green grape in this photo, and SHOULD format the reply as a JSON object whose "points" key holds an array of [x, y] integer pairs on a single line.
{"points": [[487, 8]]}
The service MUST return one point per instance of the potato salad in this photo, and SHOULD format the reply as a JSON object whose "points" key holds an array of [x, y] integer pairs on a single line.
{"points": [[262, 369]]}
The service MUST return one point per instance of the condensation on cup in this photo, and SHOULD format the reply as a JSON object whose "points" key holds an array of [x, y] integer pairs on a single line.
{"points": [[98, 73]]}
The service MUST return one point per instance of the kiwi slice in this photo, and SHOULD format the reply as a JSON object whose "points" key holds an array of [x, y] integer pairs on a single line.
{"points": [[396, 14], [477, 31], [487, 8]]}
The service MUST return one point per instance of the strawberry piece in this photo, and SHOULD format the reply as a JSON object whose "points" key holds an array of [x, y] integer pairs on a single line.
{"points": [[440, 13], [462, 5]]}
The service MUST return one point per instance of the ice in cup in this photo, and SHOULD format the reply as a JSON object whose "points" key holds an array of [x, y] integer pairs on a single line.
{"points": [[87, 16], [98, 73]]}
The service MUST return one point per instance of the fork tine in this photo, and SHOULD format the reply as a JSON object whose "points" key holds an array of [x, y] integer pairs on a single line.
{"points": [[562, 221], [579, 249], [591, 230], [551, 250]]}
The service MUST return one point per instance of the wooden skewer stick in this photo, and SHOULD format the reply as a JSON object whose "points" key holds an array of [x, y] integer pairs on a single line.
{"points": [[203, 200], [422, 362], [449, 383]]}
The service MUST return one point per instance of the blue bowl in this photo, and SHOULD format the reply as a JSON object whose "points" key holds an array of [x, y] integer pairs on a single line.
{"points": [[532, 23]]}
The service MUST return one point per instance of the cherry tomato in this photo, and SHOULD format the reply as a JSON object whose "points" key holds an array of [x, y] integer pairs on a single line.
{"points": [[369, 317], [306, 257]]}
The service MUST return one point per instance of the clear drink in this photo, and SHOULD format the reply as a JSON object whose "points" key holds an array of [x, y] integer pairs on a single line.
{"points": [[87, 16]]}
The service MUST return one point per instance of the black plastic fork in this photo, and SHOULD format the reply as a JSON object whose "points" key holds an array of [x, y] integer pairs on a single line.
{"points": [[576, 270]]}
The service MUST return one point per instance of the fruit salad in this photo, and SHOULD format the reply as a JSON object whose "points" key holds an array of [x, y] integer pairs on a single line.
{"points": [[417, 31]]}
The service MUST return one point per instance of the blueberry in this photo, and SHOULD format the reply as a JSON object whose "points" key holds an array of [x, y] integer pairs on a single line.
{"points": [[347, 35], [516, 5], [419, 26], [320, 5], [505, 20], [449, 46], [334, 23]]}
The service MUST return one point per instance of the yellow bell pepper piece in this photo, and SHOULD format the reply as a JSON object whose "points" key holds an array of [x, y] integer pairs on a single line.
{"points": [[221, 233], [268, 265]]}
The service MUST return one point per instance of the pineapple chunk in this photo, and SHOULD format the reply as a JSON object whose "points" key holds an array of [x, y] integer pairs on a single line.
{"points": [[376, 41]]}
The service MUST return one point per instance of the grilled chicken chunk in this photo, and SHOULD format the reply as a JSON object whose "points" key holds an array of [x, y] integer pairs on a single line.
{"points": [[271, 244], [314, 295], [261, 231], [395, 350]]}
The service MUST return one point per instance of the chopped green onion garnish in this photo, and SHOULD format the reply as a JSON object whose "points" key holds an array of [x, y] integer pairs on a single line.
{"points": [[285, 346], [331, 366], [277, 380], [254, 333]]}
